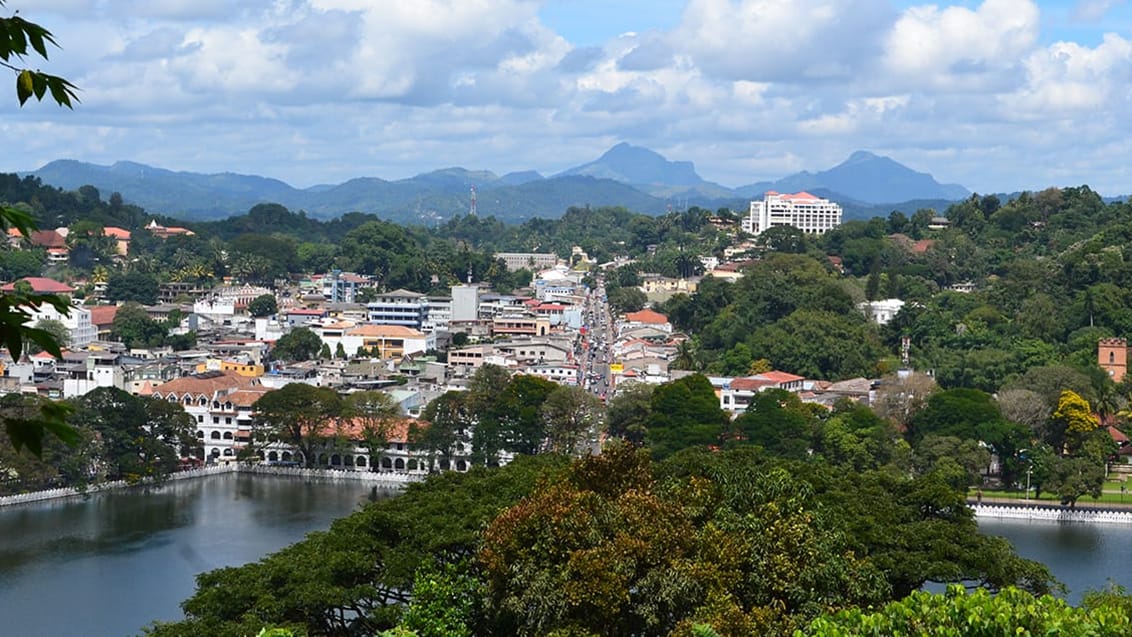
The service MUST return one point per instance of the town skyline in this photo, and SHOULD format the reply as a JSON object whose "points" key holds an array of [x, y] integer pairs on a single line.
{"points": [[1000, 96]]}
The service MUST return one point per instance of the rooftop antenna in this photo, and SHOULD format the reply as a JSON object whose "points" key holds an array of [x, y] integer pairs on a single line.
{"points": [[472, 211]]}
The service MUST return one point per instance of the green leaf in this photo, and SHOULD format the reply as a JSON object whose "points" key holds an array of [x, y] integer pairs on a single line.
{"points": [[39, 83], [36, 34], [62, 91], [24, 433], [25, 86]]}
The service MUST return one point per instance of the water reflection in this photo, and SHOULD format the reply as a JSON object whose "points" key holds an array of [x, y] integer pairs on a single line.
{"points": [[147, 545], [1082, 556]]}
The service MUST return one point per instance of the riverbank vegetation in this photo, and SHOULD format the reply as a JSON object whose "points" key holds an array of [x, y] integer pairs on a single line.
{"points": [[118, 437], [618, 544]]}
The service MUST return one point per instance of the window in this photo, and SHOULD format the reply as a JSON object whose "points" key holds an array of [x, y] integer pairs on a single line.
{"points": [[227, 435], [216, 420], [227, 420], [1111, 357], [215, 435], [200, 417]]}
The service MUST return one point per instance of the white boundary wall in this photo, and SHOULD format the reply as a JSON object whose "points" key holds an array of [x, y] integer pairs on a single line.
{"points": [[1052, 514]]}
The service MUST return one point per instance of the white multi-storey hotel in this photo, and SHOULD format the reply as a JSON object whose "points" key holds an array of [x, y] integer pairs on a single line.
{"points": [[810, 214]]}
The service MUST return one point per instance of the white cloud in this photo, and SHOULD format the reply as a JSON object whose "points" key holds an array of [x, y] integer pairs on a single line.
{"points": [[315, 91], [782, 40], [1093, 10], [957, 48]]}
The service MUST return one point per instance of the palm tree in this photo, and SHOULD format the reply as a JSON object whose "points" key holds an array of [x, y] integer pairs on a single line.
{"points": [[686, 356]]}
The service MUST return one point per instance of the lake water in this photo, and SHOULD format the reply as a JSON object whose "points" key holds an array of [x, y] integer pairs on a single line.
{"points": [[1081, 556], [119, 560], [112, 564]]}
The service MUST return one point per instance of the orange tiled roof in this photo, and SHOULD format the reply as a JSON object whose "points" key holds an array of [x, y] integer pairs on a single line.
{"points": [[750, 384], [102, 314], [246, 397], [386, 331], [205, 384], [41, 285], [780, 377], [647, 316], [354, 429]]}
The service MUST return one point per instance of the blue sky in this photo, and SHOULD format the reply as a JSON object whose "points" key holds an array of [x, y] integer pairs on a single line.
{"points": [[997, 95]]}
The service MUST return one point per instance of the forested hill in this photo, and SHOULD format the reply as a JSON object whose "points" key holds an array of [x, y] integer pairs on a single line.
{"points": [[629, 176]]}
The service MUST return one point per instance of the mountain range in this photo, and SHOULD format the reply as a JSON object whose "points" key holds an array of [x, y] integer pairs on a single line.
{"points": [[636, 178]]}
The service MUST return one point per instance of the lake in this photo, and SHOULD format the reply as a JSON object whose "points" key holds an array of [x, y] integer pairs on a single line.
{"points": [[118, 560], [1082, 556], [115, 562]]}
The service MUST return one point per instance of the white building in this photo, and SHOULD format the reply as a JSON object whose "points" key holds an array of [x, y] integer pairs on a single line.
{"points": [[881, 312], [808, 213], [221, 405], [465, 303], [399, 307], [343, 287], [532, 261]]}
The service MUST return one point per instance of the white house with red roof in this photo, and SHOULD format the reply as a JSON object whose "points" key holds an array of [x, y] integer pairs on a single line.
{"points": [[736, 393], [646, 318], [808, 213], [220, 402]]}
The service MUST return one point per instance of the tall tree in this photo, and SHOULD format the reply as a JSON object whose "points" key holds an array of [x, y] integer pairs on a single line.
{"points": [[377, 415], [263, 305], [445, 423], [300, 344], [685, 413], [299, 415], [573, 417]]}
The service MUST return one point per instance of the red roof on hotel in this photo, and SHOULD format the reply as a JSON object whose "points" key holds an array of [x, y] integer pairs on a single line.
{"points": [[41, 285], [117, 233]]}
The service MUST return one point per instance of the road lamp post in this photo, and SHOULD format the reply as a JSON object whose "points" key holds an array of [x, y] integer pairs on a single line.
{"points": [[1029, 470]]}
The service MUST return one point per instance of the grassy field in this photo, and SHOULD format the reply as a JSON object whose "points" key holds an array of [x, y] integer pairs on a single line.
{"points": [[1111, 494]]}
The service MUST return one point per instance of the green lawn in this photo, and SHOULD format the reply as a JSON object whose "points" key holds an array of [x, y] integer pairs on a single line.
{"points": [[1110, 495]]}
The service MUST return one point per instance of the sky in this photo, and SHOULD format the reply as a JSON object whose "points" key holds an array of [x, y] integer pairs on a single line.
{"points": [[997, 95]]}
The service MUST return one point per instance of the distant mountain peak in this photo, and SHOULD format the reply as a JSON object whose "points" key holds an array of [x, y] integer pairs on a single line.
{"points": [[866, 177], [860, 156], [631, 164]]}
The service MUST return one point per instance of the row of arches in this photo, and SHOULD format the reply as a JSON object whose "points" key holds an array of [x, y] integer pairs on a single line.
{"points": [[361, 461], [201, 401]]}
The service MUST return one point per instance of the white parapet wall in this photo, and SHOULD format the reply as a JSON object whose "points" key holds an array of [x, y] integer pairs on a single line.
{"points": [[1047, 513]]}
